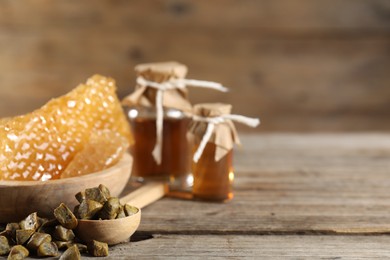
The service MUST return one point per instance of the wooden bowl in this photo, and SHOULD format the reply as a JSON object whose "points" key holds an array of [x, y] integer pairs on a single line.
{"points": [[20, 198]]}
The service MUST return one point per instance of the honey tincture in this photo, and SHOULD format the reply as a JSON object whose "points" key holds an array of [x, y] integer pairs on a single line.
{"points": [[159, 119], [214, 136]]}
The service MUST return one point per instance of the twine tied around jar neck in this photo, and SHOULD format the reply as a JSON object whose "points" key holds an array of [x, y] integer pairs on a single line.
{"points": [[167, 85], [212, 121]]}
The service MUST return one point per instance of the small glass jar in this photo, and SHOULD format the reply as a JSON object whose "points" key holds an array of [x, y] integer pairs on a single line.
{"points": [[213, 180], [213, 170]]}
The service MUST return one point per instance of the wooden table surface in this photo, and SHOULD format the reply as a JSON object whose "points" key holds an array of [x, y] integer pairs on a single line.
{"points": [[299, 196]]}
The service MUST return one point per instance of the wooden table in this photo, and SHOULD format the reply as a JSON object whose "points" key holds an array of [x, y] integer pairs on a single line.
{"points": [[296, 196], [300, 196]]}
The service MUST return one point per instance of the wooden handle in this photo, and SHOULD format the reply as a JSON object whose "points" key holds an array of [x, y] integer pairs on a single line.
{"points": [[146, 195]]}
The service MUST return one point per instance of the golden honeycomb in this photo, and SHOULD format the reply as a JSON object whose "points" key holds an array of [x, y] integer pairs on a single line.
{"points": [[41, 144], [104, 149]]}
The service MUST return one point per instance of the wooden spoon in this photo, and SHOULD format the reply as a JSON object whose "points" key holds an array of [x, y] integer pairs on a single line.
{"points": [[114, 231]]}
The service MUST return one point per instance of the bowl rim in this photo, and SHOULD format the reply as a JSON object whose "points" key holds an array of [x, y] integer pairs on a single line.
{"points": [[123, 162]]}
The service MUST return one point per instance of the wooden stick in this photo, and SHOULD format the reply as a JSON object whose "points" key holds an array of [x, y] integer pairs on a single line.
{"points": [[146, 195]]}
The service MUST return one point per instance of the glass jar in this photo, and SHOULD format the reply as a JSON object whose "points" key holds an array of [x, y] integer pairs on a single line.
{"points": [[175, 165], [163, 155], [212, 165], [213, 180]]}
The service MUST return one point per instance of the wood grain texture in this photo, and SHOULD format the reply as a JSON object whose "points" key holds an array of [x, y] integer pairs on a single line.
{"points": [[289, 184], [301, 65], [254, 247]]}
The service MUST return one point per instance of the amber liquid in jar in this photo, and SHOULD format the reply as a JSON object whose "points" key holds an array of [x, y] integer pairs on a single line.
{"points": [[175, 165], [213, 179]]}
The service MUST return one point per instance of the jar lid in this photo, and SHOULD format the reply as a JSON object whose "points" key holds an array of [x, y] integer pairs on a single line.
{"points": [[224, 133], [212, 109], [161, 71]]}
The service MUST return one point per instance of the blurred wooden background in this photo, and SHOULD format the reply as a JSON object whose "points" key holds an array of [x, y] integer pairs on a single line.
{"points": [[300, 65]]}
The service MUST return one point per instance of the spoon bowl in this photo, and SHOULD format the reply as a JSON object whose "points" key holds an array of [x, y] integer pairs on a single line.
{"points": [[111, 231], [114, 231]]}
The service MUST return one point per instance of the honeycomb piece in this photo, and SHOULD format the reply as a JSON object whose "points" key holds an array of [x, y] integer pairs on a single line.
{"points": [[41, 144], [104, 149]]}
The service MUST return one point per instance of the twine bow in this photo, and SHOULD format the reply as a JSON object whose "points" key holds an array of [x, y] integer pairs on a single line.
{"points": [[212, 121], [168, 85]]}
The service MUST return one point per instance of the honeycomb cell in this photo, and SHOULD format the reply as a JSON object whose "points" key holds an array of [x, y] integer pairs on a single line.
{"points": [[40, 145], [104, 149]]}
